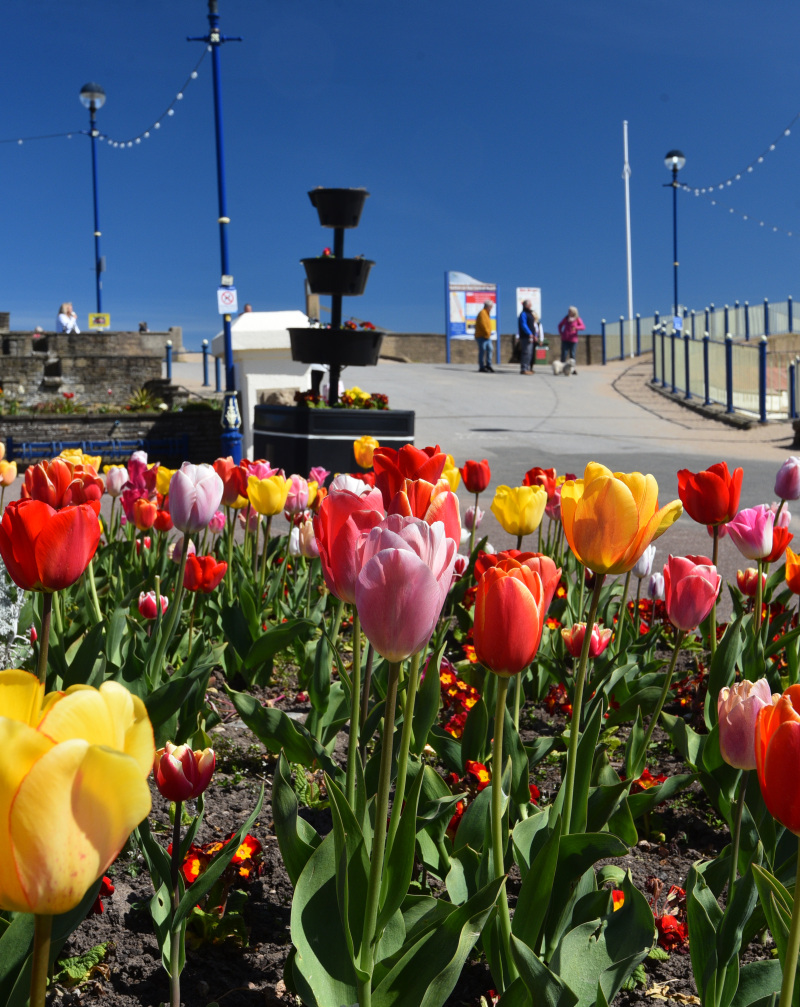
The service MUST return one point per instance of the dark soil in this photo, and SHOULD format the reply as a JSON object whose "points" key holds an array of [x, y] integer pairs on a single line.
{"points": [[679, 835]]}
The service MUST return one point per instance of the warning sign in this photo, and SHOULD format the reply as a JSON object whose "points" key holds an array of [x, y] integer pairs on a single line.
{"points": [[227, 300], [99, 321]]}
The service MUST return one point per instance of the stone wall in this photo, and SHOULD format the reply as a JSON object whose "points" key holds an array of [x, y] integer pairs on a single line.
{"points": [[201, 426], [431, 348]]}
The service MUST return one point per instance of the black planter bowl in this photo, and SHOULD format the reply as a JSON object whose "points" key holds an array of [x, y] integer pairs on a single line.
{"points": [[338, 207], [295, 439], [347, 347], [337, 276]]}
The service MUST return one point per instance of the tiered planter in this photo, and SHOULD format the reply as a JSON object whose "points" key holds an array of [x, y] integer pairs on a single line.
{"points": [[346, 347], [337, 276], [295, 439]]}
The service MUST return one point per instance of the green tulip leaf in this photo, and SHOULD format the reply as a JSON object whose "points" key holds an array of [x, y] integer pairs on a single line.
{"points": [[758, 982], [537, 888], [297, 839], [429, 700], [543, 986]]}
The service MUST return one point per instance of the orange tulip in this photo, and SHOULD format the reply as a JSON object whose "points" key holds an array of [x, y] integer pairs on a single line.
{"points": [[509, 617], [611, 518], [777, 745], [793, 571]]}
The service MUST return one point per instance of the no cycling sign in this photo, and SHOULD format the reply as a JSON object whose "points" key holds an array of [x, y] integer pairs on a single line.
{"points": [[227, 300]]}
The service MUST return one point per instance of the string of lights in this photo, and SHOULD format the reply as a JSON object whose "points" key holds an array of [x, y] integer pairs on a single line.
{"points": [[749, 168], [744, 216], [168, 112]]}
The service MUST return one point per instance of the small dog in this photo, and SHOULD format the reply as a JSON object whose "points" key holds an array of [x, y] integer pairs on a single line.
{"points": [[564, 367]]}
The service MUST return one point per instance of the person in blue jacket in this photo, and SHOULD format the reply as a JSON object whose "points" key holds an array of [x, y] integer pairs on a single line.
{"points": [[525, 327]]}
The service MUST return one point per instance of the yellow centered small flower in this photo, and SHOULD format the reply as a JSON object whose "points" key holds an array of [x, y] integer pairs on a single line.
{"points": [[519, 509], [363, 449]]}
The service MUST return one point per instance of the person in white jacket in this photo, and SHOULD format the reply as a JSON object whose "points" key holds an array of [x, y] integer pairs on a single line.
{"points": [[67, 320]]}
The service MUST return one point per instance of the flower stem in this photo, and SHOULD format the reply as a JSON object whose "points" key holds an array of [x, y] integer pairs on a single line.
{"points": [[713, 629], [737, 829], [263, 578], [519, 541], [664, 690], [623, 608], [636, 613], [175, 933], [229, 571], [759, 598], [44, 638], [517, 699], [355, 707], [498, 845], [93, 592], [42, 928], [379, 841], [365, 690], [174, 611], [474, 525], [792, 946], [577, 703], [405, 744]]}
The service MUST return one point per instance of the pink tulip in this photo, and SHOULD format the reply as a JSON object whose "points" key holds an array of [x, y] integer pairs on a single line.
{"points": [[262, 470], [176, 548], [473, 516], [460, 566], [737, 709], [297, 499], [318, 475], [751, 531], [342, 517], [116, 479], [147, 604], [654, 587], [575, 635], [406, 568], [787, 481], [782, 520], [690, 590], [217, 522], [195, 492], [308, 540], [250, 523]]}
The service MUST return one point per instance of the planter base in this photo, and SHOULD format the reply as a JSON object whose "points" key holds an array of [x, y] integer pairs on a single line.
{"points": [[295, 439]]}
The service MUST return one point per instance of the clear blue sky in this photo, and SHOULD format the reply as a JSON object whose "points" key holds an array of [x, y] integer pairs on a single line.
{"points": [[489, 136]]}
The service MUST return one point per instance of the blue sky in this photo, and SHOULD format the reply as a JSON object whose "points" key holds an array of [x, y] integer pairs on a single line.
{"points": [[489, 137]]}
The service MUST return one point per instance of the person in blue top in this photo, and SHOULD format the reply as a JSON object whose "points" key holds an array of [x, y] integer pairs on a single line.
{"points": [[525, 329]]}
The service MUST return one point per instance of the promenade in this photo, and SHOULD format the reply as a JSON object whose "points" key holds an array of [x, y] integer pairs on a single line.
{"points": [[608, 414]]}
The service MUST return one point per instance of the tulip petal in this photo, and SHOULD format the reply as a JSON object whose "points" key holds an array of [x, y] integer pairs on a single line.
{"points": [[111, 717], [22, 747], [21, 695], [598, 545], [66, 545], [70, 818], [780, 775]]}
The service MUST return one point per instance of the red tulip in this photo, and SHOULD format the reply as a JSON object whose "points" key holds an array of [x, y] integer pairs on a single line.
{"points": [[575, 635], [747, 581], [690, 590], [203, 573], [422, 499], [144, 513], [509, 617], [148, 608], [392, 468], [476, 476], [234, 480], [710, 497], [781, 537], [44, 549], [61, 483], [182, 774], [541, 477], [163, 521], [536, 561], [342, 517], [777, 744]]}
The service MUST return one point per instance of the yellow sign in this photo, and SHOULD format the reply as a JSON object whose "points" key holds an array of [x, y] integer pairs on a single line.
{"points": [[99, 321]]}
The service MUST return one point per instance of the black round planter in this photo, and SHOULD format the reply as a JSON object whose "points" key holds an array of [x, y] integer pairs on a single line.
{"points": [[338, 207], [337, 276], [354, 347]]}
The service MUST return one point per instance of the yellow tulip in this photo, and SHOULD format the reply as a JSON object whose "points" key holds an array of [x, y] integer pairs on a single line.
{"points": [[2, 451], [363, 450], [77, 457], [519, 509], [163, 477], [451, 474], [611, 518], [8, 473], [268, 496], [73, 785], [312, 491]]}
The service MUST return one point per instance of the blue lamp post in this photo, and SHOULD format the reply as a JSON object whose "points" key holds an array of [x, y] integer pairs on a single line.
{"points": [[674, 161], [93, 97], [231, 417]]}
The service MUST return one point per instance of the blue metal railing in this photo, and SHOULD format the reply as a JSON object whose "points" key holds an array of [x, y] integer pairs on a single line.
{"points": [[110, 449]]}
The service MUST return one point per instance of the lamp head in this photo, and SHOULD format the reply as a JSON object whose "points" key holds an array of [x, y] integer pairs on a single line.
{"points": [[92, 96], [674, 160]]}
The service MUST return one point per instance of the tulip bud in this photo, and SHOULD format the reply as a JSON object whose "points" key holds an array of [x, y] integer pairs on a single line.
{"points": [[146, 542], [574, 637], [747, 581], [318, 475], [460, 566], [782, 520], [175, 550], [787, 481], [690, 590], [8, 473], [654, 588], [294, 541], [308, 540], [182, 774], [33, 635], [250, 523], [298, 496], [148, 608], [644, 565], [737, 710], [473, 516], [144, 513], [217, 523]]}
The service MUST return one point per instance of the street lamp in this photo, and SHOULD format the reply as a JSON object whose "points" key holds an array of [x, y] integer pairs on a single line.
{"points": [[93, 97], [674, 161], [231, 417]]}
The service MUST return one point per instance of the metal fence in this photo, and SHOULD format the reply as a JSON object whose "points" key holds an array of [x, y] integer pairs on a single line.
{"points": [[744, 377], [743, 321]]}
